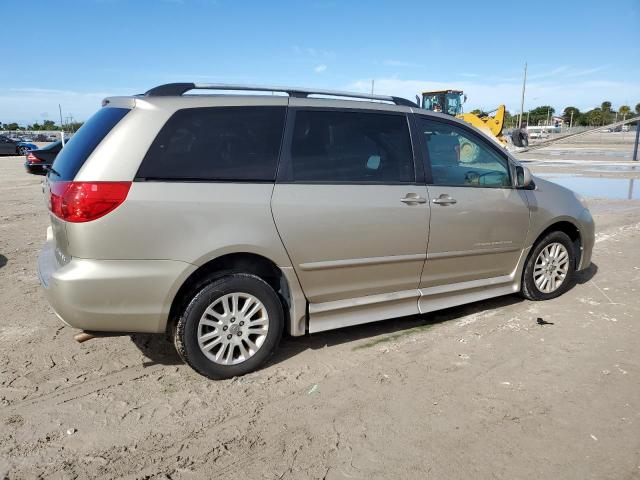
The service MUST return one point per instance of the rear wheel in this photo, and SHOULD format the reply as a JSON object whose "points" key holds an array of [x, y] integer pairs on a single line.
{"points": [[23, 150], [550, 268], [230, 326]]}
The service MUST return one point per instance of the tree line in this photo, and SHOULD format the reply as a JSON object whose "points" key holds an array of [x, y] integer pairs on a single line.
{"points": [[47, 125], [602, 115]]}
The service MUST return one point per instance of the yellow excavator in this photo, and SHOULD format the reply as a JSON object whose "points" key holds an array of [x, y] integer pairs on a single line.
{"points": [[450, 102]]}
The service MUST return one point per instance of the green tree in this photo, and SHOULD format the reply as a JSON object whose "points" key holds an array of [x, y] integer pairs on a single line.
{"points": [[49, 125], [637, 108], [74, 126], [567, 115], [539, 115], [606, 106], [595, 117], [624, 110], [11, 126]]}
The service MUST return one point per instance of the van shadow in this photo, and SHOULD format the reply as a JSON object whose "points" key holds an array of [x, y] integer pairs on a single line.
{"points": [[386, 330], [587, 274], [158, 349], [3, 261]]}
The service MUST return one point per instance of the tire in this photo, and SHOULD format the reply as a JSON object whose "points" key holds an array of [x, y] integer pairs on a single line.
{"points": [[536, 265], [519, 138], [23, 150], [210, 318]]}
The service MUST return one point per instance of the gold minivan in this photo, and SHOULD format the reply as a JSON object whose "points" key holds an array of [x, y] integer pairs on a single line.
{"points": [[226, 219]]}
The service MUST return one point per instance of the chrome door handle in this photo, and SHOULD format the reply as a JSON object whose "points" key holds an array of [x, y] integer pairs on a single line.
{"points": [[413, 198], [444, 200]]}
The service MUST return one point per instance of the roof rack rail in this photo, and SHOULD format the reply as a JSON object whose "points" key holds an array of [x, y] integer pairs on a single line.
{"points": [[177, 89]]}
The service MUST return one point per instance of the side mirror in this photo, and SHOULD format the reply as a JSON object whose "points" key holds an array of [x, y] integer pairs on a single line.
{"points": [[524, 179]]}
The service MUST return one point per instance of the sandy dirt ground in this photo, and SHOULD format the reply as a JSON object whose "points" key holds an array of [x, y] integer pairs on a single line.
{"points": [[481, 391]]}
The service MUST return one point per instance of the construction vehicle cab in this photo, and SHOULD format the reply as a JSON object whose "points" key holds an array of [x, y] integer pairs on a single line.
{"points": [[450, 102], [444, 101]]}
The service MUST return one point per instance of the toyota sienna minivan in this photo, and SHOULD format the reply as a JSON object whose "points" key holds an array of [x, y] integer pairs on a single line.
{"points": [[227, 219]]}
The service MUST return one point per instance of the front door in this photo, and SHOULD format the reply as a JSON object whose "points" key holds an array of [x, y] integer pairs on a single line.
{"points": [[346, 204], [479, 221]]}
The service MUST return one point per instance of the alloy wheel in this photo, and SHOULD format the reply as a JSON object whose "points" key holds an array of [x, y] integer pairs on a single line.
{"points": [[551, 267], [233, 328]]}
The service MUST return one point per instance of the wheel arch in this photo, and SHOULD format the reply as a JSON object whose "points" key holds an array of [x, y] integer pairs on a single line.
{"points": [[244, 262], [570, 229]]}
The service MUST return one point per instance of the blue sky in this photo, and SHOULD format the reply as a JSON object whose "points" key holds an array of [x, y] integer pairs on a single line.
{"points": [[77, 52]]}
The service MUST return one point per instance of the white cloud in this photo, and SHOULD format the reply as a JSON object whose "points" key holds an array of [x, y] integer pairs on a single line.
{"points": [[320, 68]]}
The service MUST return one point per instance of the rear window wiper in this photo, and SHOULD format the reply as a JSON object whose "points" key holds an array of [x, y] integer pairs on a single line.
{"points": [[50, 169]]}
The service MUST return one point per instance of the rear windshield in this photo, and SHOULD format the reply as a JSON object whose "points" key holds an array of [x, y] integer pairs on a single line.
{"points": [[84, 141]]}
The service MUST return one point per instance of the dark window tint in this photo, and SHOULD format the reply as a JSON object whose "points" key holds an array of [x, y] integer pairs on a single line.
{"points": [[224, 143], [460, 158], [84, 141], [337, 146]]}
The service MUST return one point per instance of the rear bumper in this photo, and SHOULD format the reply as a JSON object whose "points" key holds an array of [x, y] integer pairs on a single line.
{"points": [[111, 295], [35, 168]]}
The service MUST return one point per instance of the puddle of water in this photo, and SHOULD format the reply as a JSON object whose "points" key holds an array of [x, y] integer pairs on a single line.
{"points": [[597, 187], [589, 166]]}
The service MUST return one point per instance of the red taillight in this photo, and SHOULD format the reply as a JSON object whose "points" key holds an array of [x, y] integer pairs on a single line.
{"points": [[85, 201], [31, 158]]}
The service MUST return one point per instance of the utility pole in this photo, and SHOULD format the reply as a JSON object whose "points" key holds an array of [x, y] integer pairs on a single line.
{"points": [[524, 83], [528, 117], [571, 121], [61, 125], [372, 84], [635, 147]]}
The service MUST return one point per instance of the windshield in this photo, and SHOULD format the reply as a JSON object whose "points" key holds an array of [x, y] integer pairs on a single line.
{"points": [[453, 103], [433, 103]]}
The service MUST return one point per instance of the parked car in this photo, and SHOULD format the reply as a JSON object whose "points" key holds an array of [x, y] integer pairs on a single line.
{"points": [[214, 220], [40, 160], [15, 146]]}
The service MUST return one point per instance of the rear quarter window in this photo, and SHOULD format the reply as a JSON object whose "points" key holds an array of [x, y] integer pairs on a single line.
{"points": [[216, 144], [76, 151]]}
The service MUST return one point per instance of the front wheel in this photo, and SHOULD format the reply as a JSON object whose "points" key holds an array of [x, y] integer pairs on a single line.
{"points": [[23, 150], [230, 326], [550, 268]]}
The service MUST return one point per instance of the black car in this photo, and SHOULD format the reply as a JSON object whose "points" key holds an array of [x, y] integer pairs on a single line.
{"points": [[14, 146], [39, 160]]}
